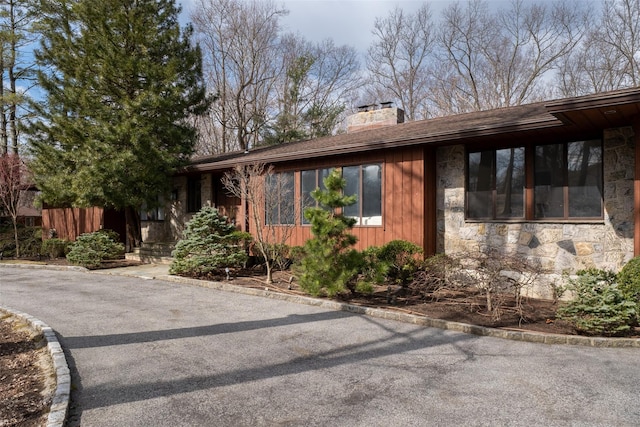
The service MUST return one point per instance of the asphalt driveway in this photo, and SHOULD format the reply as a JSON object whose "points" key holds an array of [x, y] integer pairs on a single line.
{"points": [[155, 353]]}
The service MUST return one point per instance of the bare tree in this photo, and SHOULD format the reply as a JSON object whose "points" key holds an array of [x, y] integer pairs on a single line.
{"points": [[398, 60], [608, 58], [272, 208], [311, 90], [12, 172], [620, 32], [211, 135], [239, 40], [500, 59]]}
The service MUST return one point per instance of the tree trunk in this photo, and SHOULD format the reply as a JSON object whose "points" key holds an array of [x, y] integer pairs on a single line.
{"points": [[134, 232], [15, 235]]}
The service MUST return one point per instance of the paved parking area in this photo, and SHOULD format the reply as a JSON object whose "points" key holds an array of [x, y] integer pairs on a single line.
{"points": [[150, 352]]}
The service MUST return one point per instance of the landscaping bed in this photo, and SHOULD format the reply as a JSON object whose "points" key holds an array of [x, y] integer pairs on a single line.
{"points": [[464, 306], [26, 380]]}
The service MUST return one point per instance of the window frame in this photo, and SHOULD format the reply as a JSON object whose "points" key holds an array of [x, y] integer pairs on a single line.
{"points": [[530, 214], [493, 185], [319, 183], [318, 179], [280, 213], [153, 214], [566, 184], [361, 199]]}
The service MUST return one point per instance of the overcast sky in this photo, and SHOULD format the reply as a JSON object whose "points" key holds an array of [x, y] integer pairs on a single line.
{"points": [[345, 21]]}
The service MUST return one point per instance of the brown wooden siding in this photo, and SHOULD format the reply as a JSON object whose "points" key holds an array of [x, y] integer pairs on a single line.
{"points": [[69, 223], [403, 197]]}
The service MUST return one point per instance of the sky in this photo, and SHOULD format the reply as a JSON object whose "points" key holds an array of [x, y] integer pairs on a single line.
{"points": [[345, 21]]}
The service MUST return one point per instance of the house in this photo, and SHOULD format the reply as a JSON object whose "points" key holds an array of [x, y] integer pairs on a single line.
{"points": [[557, 182]]}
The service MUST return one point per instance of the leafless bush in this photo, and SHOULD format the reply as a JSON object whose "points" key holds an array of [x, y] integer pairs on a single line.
{"points": [[500, 278], [439, 273]]}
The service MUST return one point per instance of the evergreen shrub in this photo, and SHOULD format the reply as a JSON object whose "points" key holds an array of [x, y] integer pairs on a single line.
{"points": [[599, 307], [400, 258], [373, 270], [209, 244], [330, 264], [629, 281], [55, 248], [90, 249]]}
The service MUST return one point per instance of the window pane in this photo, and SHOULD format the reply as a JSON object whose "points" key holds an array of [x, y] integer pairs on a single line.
{"points": [[352, 175], [287, 210], [143, 213], [271, 200], [279, 203], [323, 174], [479, 185], [549, 181], [510, 183], [584, 162], [372, 195], [307, 184]]}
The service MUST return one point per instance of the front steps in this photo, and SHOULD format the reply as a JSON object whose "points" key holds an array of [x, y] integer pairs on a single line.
{"points": [[152, 253]]}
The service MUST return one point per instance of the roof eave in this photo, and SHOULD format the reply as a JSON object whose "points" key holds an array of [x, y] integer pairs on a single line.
{"points": [[442, 138]]}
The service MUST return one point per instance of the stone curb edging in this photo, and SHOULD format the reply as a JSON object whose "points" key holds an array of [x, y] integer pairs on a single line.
{"points": [[533, 337], [60, 402], [45, 267]]}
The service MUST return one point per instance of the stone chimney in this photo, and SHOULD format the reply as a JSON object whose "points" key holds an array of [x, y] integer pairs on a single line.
{"points": [[374, 117]]}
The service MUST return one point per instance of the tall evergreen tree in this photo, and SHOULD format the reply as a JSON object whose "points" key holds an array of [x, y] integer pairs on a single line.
{"points": [[120, 79]]}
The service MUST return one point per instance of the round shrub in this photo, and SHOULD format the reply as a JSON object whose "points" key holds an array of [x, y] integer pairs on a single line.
{"points": [[209, 244], [400, 257], [598, 307], [90, 249]]}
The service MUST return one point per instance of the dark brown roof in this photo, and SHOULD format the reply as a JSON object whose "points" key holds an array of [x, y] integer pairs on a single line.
{"points": [[581, 113]]}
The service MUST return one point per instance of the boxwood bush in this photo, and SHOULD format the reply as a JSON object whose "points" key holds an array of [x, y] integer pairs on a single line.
{"points": [[90, 249]]}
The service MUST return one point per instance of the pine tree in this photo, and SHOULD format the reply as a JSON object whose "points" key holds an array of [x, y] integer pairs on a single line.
{"points": [[120, 79], [330, 263]]}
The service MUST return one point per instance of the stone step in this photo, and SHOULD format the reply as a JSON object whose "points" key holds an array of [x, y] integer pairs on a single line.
{"points": [[153, 253], [148, 259]]}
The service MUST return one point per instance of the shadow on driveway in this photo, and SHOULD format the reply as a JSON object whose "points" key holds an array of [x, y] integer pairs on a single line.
{"points": [[394, 344]]}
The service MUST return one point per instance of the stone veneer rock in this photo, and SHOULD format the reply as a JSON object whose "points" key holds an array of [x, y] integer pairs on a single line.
{"points": [[562, 247]]}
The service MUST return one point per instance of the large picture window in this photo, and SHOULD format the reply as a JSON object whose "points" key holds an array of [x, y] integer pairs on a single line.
{"points": [[279, 199], [310, 180], [365, 181], [496, 183], [568, 180], [565, 180]]}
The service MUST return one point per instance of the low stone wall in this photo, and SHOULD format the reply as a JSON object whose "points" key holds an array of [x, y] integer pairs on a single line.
{"points": [[558, 247]]}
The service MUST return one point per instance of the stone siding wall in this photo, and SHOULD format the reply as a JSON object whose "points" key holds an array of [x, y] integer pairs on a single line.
{"points": [[557, 247]]}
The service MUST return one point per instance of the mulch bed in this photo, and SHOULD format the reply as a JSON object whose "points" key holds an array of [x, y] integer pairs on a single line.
{"points": [[461, 306], [25, 385]]}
